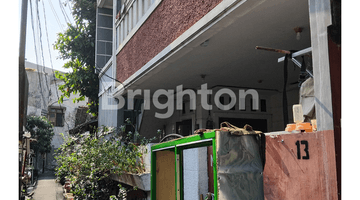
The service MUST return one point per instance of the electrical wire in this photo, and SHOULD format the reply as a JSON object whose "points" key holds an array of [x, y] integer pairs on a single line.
{"points": [[99, 70], [67, 19], [41, 45], [56, 16], [51, 63], [36, 55], [68, 3], [50, 53], [104, 84], [47, 37]]}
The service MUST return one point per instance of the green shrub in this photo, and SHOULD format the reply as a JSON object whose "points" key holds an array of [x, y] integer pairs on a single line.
{"points": [[87, 161]]}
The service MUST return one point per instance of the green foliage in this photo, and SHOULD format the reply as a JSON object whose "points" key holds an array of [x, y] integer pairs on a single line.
{"points": [[88, 161], [77, 44], [42, 130]]}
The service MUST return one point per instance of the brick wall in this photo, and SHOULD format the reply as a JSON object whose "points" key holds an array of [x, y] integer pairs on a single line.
{"points": [[170, 19]]}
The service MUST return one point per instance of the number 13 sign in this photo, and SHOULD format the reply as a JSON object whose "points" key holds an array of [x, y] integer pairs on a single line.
{"points": [[299, 144]]}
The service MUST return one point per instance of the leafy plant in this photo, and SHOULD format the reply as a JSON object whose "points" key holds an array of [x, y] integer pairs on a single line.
{"points": [[77, 43], [89, 160], [42, 130]]}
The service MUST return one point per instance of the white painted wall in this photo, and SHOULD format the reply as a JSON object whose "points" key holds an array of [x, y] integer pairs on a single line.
{"points": [[43, 92], [195, 173]]}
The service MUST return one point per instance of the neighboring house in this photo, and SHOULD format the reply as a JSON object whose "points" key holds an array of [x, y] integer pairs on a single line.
{"points": [[43, 101], [147, 45]]}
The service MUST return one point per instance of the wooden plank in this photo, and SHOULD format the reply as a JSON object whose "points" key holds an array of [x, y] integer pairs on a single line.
{"points": [[210, 169], [273, 50], [300, 166], [130, 179], [165, 175]]}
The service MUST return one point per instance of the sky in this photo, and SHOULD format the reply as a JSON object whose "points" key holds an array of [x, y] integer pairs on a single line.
{"points": [[56, 21]]}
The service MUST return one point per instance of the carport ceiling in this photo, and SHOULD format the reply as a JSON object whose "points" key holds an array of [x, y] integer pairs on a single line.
{"points": [[231, 58]]}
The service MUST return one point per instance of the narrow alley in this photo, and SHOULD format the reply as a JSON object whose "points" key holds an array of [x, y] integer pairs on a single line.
{"points": [[47, 188]]}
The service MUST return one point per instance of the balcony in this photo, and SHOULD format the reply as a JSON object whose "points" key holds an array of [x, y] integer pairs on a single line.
{"points": [[132, 14]]}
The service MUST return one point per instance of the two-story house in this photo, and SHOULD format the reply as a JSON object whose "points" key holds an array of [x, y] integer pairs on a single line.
{"points": [[177, 66]]}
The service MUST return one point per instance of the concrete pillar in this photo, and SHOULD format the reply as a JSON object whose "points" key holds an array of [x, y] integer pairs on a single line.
{"points": [[320, 19]]}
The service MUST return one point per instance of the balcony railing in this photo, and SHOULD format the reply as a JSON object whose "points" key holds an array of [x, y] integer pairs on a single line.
{"points": [[132, 14]]}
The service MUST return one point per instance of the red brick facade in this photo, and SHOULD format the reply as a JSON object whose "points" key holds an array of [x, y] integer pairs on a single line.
{"points": [[170, 19]]}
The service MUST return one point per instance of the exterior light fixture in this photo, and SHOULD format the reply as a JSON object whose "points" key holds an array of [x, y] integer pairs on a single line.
{"points": [[298, 31]]}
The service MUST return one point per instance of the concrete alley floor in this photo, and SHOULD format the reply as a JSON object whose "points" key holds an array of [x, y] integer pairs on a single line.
{"points": [[47, 188]]}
